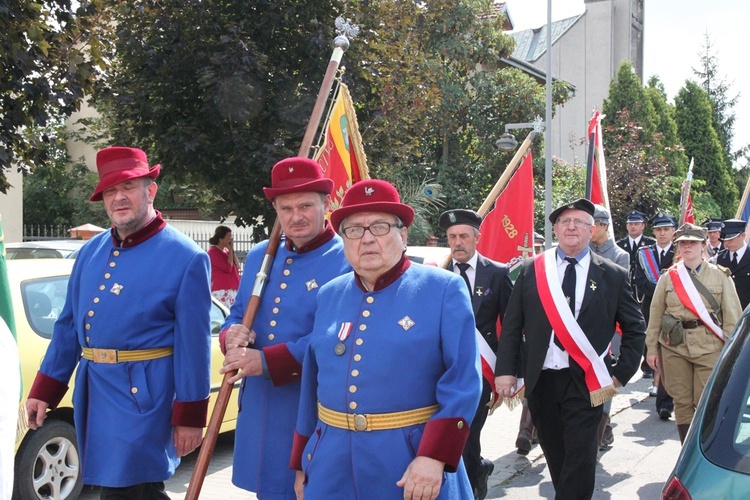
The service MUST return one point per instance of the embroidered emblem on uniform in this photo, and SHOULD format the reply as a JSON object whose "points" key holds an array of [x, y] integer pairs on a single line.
{"points": [[452, 217], [369, 191], [593, 286], [479, 291], [311, 285], [571, 207], [406, 322], [291, 169], [116, 289]]}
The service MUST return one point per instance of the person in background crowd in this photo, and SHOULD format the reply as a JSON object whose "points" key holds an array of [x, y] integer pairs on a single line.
{"points": [[561, 314], [736, 258], [391, 376], [693, 312], [604, 246], [713, 229], [136, 323], [636, 224], [656, 259], [269, 357], [225, 274], [489, 287]]}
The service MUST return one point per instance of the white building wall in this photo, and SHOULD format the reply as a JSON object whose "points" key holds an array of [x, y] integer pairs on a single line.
{"points": [[11, 208]]}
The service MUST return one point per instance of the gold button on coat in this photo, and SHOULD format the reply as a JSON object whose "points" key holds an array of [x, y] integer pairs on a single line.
{"points": [[287, 272], [366, 314], [352, 405], [282, 286], [360, 341], [134, 390], [370, 300], [352, 389], [271, 336]]}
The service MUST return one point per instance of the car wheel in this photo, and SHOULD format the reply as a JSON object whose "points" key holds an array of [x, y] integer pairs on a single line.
{"points": [[47, 464]]}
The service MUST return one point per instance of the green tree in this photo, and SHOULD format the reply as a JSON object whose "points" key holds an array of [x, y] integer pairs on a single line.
{"points": [[627, 92], [694, 117], [672, 152], [50, 55]]}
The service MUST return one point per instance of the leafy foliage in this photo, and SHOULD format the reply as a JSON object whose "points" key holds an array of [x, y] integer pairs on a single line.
{"points": [[50, 53], [694, 117]]}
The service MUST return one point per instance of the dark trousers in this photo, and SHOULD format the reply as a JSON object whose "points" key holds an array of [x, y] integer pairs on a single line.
{"points": [[567, 428], [473, 449], [663, 399], [144, 491]]}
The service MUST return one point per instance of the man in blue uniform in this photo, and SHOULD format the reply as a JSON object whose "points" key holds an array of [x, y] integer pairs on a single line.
{"points": [[736, 257], [269, 358], [137, 316], [489, 288], [391, 378], [713, 230]]}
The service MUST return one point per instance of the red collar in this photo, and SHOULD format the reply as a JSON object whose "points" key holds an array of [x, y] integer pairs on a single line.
{"points": [[387, 277], [317, 242], [154, 226]]}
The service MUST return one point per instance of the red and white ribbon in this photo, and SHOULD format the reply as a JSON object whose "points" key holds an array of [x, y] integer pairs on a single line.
{"points": [[691, 298]]}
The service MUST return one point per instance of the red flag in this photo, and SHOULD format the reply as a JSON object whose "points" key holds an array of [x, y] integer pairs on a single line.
{"points": [[508, 236], [596, 173], [689, 216], [342, 156]]}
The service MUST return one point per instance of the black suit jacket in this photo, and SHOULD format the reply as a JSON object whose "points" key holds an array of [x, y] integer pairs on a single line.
{"points": [[740, 273], [624, 243], [608, 301], [489, 298]]}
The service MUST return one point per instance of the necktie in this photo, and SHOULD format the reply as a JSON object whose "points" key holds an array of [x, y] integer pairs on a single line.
{"points": [[569, 289], [734, 259], [661, 258], [462, 267]]}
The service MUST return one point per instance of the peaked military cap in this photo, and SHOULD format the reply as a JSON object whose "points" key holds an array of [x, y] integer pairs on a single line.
{"points": [[459, 216], [601, 214], [663, 220], [712, 224], [732, 228], [579, 204], [690, 232], [636, 216]]}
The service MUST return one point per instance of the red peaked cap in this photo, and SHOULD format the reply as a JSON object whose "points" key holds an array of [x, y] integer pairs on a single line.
{"points": [[372, 195], [119, 164], [297, 175]]}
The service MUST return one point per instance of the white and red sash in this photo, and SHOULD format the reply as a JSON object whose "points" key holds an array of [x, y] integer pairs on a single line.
{"points": [[568, 331], [691, 298], [488, 358]]}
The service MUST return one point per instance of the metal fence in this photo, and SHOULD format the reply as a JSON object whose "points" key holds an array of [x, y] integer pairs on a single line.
{"points": [[198, 231]]}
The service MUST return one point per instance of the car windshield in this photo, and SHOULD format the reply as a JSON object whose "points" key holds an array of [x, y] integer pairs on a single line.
{"points": [[725, 432]]}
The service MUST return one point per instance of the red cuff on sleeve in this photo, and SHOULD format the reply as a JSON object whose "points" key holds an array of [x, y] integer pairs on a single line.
{"points": [[48, 389], [444, 440], [282, 367], [223, 340], [298, 447], [190, 413]]}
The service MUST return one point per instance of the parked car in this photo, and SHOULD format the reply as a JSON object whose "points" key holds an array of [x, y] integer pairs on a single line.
{"points": [[715, 458], [430, 256], [46, 463], [47, 249]]}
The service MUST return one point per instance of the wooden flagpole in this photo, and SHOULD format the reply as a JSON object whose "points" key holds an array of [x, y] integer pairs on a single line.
{"points": [[685, 193], [341, 44]]}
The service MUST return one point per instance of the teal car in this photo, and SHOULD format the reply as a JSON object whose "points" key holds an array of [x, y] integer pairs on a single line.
{"points": [[715, 458]]}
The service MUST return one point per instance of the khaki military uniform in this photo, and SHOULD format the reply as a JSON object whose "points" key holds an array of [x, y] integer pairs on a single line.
{"points": [[686, 367]]}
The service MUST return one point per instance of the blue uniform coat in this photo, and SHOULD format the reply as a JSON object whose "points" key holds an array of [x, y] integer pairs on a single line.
{"points": [[154, 294], [268, 406], [412, 345]]}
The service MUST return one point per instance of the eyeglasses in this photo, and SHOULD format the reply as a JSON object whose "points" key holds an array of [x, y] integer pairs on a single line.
{"points": [[377, 229], [578, 223]]}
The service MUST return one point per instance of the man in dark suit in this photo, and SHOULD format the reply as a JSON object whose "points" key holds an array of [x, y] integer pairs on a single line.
{"points": [[664, 226], [736, 257], [636, 224], [489, 287], [567, 371]]}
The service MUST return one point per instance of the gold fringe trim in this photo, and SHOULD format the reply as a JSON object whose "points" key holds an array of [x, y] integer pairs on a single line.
{"points": [[511, 403], [22, 426], [601, 396]]}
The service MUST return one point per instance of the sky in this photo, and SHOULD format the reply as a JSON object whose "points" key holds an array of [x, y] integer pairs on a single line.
{"points": [[674, 38]]}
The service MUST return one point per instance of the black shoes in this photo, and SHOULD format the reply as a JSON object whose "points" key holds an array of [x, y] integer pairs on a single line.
{"points": [[523, 443], [648, 373], [485, 471], [664, 413]]}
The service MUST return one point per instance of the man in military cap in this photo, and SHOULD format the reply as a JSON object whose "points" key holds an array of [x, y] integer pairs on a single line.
{"points": [[713, 229], [603, 245], [636, 224], [652, 261], [269, 358], [538, 243], [560, 315], [735, 257], [489, 288]]}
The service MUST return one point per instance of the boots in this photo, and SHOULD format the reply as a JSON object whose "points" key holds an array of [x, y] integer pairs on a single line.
{"points": [[682, 430], [525, 432], [605, 435]]}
